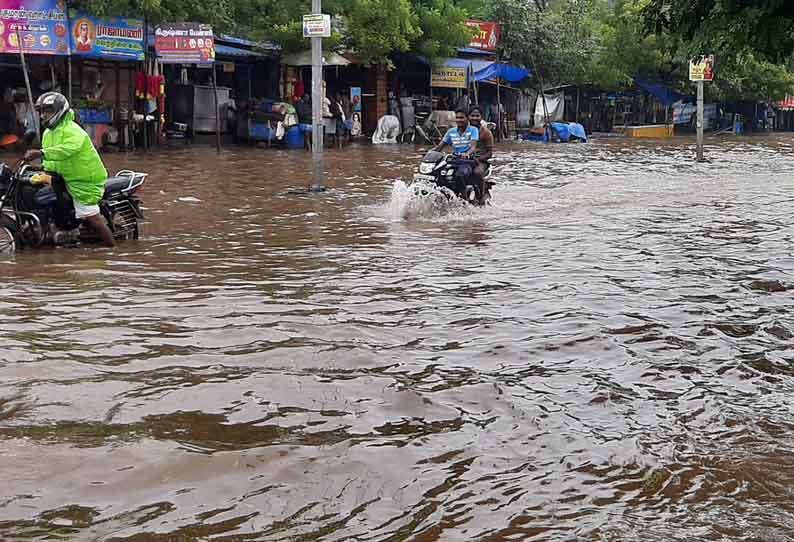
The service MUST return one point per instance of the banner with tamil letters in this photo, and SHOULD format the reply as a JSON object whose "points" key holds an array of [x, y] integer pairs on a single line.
{"points": [[117, 38]]}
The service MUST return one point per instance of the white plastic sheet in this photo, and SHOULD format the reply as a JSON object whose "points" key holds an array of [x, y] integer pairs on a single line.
{"points": [[555, 105], [387, 131]]}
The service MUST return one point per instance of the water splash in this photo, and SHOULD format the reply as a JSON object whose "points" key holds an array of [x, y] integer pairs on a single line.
{"points": [[422, 201]]}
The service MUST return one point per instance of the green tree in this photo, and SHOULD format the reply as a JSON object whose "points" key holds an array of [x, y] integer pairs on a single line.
{"points": [[625, 50], [753, 42], [765, 27], [555, 39], [224, 15], [372, 29]]}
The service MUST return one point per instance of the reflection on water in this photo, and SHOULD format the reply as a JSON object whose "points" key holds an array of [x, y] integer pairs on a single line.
{"points": [[602, 354]]}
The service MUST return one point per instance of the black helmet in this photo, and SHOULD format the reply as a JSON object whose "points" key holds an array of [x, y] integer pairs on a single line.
{"points": [[52, 106]]}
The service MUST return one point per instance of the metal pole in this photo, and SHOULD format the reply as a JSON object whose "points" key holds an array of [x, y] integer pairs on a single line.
{"points": [[27, 83], [578, 100], [700, 123], [145, 80], [217, 110], [317, 106], [69, 77], [499, 133]]}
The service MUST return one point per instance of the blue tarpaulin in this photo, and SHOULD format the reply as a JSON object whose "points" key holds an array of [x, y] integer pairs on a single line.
{"points": [[228, 50], [663, 94], [568, 130], [486, 70]]}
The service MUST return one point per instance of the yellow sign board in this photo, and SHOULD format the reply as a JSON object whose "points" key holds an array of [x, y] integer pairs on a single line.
{"points": [[448, 77], [702, 68]]}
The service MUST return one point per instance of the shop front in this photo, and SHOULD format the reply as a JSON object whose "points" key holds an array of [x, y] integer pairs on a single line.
{"points": [[106, 54], [36, 29]]}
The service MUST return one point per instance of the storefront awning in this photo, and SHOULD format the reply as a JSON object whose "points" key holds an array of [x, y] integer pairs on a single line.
{"points": [[473, 51], [304, 58], [662, 93], [228, 50], [487, 70]]}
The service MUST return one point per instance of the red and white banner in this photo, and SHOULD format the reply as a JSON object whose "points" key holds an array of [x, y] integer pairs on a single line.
{"points": [[487, 35], [184, 43], [787, 104]]}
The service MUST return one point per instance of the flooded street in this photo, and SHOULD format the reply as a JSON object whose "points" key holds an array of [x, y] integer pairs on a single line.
{"points": [[605, 353]]}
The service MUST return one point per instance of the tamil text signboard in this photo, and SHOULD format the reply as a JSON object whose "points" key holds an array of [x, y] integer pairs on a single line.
{"points": [[185, 43], [701, 68], [317, 26], [39, 24], [114, 39], [445, 77], [486, 35]]}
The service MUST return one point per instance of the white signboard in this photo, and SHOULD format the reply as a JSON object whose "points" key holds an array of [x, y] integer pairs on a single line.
{"points": [[316, 26]]}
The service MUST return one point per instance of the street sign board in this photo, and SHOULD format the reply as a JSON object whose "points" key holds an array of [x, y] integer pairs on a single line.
{"points": [[39, 24], [445, 77], [185, 43], [486, 35], [114, 38], [701, 68], [317, 26]]}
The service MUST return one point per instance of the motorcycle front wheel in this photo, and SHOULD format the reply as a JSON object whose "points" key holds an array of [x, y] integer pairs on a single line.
{"points": [[8, 243]]}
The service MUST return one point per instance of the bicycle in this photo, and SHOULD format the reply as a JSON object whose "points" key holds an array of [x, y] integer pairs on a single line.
{"points": [[417, 134]]}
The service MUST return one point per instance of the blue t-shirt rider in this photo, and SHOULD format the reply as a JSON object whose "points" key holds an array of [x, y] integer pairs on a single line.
{"points": [[463, 139]]}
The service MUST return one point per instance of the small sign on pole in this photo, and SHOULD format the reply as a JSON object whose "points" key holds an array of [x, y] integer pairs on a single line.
{"points": [[317, 26], [701, 69]]}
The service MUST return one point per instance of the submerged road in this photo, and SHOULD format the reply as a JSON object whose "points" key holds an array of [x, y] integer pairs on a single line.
{"points": [[605, 353]]}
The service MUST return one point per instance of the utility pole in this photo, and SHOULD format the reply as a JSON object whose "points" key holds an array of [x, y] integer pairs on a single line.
{"points": [[317, 95], [701, 69], [700, 122]]}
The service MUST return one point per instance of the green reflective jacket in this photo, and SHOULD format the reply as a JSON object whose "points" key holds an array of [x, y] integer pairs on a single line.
{"points": [[69, 152]]}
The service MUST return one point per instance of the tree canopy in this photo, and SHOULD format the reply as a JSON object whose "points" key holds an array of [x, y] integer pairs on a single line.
{"points": [[605, 43]]}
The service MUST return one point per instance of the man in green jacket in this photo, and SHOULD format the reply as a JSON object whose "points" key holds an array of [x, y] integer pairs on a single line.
{"points": [[68, 151]]}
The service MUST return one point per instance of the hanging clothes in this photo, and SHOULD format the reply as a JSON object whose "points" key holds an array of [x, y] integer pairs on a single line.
{"points": [[299, 91], [152, 89]]}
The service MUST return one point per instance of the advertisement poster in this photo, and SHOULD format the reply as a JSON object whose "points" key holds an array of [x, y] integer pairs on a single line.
{"points": [[685, 113], [116, 38], [487, 35], [702, 68], [41, 25], [355, 98], [448, 77], [316, 26], [185, 43]]}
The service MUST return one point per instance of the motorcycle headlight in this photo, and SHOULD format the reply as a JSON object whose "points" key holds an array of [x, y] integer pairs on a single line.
{"points": [[449, 172], [426, 167]]}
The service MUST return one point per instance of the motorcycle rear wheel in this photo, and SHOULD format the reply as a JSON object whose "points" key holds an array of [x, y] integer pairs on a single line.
{"points": [[8, 243], [122, 227]]}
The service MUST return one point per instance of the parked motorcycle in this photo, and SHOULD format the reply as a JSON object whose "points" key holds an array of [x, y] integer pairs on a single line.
{"points": [[33, 214], [439, 169]]}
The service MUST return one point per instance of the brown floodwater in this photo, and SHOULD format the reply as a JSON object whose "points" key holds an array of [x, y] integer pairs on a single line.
{"points": [[605, 353]]}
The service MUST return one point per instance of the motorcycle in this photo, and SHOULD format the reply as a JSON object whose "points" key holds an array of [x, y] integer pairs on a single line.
{"points": [[34, 214], [438, 169]]}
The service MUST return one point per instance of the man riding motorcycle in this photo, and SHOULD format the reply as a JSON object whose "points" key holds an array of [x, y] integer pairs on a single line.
{"points": [[463, 139], [68, 151], [484, 151]]}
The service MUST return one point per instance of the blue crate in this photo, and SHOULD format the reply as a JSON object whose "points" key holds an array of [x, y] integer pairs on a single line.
{"points": [[260, 132], [95, 116]]}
